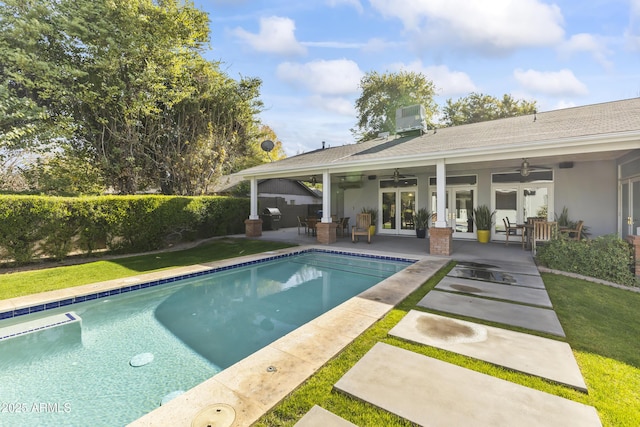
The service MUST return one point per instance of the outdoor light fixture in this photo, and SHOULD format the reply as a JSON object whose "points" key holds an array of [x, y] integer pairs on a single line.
{"points": [[524, 168], [396, 177], [314, 181]]}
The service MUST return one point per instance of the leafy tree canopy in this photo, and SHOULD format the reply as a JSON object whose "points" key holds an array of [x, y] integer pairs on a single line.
{"points": [[478, 107], [383, 94], [124, 84]]}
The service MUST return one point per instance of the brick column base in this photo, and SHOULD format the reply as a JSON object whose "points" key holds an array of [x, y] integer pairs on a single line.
{"points": [[326, 232], [253, 227], [635, 242], [440, 241]]}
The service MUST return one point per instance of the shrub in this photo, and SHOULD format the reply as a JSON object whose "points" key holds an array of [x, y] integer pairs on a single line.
{"points": [[606, 257], [54, 227]]}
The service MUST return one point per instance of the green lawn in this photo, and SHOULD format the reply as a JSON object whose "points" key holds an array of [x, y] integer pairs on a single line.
{"points": [[30, 282]]}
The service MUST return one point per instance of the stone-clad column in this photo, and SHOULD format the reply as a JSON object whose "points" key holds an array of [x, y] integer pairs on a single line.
{"points": [[440, 241]]}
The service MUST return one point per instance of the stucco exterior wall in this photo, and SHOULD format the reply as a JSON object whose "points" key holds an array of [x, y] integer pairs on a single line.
{"points": [[589, 190]]}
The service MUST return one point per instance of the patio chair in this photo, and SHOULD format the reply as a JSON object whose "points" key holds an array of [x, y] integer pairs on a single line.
{"points": [[512, 230], [362, 227], [543, 231], [303, 223], [343, 226], [577, 232]]}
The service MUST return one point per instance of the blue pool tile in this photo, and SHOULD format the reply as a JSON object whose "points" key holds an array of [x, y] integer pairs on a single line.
{"points": [[6, 315], [103, 294], [51, 305], [80, 298], [125, 289], [114, 292], [21, 312], [90, 297]]}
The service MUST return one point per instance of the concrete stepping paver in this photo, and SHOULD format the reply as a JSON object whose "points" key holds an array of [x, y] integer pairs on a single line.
{"points": [[319, 417], [521, 294], [513, 279], [531, 354], [534, 318], [431, 392]]}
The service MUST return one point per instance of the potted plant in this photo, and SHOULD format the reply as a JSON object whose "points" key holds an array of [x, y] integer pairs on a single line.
{"points": [[483, 219], [374, 216], [421, 222]]}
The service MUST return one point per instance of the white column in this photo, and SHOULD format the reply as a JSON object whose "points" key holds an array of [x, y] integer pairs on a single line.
{"points": [[441, 194], [326, 197], [253, 214]]}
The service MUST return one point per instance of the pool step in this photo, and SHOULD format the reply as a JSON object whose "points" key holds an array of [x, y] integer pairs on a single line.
{"points": [[32, 339]]}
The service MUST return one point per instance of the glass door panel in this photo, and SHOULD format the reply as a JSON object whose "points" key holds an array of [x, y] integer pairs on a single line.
{"points": [[389, 210], [460, 203], [635, 207], [407, 209], [535, 202], [462, 215], [506, 206], [626, 210]]}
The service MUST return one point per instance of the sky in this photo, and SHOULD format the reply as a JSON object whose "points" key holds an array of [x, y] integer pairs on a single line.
{"points": [[311, 54]]}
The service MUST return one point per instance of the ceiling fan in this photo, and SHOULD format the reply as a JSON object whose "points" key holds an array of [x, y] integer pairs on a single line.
{"points": [[397, 177], [526, 168]]}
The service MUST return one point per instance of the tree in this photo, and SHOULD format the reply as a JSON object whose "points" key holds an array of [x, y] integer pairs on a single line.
{"points": [[478, 107], [125, 82], [256, 155], [383, 94]]}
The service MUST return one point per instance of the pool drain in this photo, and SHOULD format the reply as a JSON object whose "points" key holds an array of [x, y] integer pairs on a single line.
{"points": [[218, 415]]}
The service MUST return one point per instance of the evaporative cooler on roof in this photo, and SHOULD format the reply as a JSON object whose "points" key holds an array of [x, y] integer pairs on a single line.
{"points": [[411, 118]]}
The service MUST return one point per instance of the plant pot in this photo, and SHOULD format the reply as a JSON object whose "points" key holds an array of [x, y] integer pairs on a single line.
{"points": [[484, 236], [421, 233]]}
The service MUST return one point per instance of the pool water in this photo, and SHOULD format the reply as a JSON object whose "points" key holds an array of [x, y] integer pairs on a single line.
{"points": [[194, 328]]}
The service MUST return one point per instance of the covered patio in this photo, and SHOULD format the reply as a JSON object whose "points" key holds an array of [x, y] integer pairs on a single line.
{"points": [[410, 246]]}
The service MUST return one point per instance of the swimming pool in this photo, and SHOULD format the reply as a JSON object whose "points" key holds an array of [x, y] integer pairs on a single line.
{"points": [[237, 310]]}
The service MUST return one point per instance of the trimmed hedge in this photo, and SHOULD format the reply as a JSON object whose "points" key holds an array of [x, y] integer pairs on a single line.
{"points": [[605, 257], [38, 226]]}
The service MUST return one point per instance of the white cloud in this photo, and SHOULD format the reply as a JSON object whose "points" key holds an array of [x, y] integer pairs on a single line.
{"points": [[276, 36], [353, 3], [334, 77], [554, 83], [497, 25], [588, 43], [632, 33], [334, 104], [447, 82]]}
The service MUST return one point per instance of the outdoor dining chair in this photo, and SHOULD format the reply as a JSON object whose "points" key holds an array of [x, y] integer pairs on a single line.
{"points": [[362, 227], [543, 231], [512, 230], [573, 233], [303, 223]]}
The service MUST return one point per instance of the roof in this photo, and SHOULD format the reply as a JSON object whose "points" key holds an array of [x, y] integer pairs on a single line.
{"points": [[227, 182], [586, 125]]}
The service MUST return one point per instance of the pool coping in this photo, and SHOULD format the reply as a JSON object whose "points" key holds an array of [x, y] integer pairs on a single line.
{"points": [[255, 384]]}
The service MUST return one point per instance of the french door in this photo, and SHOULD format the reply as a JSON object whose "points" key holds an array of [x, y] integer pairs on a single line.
{"points": [[517, 202], [630, 201], [460, 202], [397, 206]]}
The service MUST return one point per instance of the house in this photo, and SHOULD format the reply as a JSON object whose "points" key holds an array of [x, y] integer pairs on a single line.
{"points": [[292, 197], [586, 159]]}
